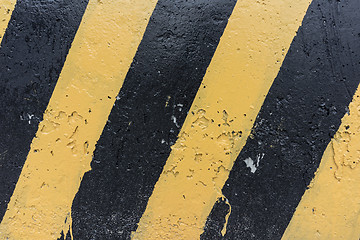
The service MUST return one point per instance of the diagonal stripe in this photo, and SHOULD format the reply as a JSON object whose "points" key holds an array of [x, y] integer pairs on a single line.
{"points": [[31, 58], [242, 70], [330, 208], [152, 105], [6, 8], [300, 114], [61, 152]]}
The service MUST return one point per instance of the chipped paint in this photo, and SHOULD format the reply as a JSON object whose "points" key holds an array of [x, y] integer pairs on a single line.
{"points": [[253, 165], [250, 164], [330, 208], [61, 152], [249, 56]]}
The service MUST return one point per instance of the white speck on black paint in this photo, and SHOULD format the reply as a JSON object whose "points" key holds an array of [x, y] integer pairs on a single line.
{"points": [[28, 117], [253, 165], [173, 118]]}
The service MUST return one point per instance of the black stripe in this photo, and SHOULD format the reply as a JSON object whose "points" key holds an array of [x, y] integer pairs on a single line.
{"points": [[170, 63], [32, 54], [300, 115]]}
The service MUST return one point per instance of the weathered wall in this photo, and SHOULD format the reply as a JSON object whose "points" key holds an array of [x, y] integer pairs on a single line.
{"points": [[158, 119]]}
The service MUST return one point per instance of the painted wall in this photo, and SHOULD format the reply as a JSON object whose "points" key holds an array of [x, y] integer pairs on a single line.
{"points": [[186, 119]]}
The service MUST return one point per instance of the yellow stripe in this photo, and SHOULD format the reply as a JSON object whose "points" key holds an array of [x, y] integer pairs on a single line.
{"points": [[6, 8], [61, 152], [330, 208], [242, 70]]}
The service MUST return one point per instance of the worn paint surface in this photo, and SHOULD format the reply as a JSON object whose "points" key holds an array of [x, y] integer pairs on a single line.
{"points": [[152, 105], [246, 62], [31, 59], [301, 113], [62, 150], [179, 119], [330, 208]]}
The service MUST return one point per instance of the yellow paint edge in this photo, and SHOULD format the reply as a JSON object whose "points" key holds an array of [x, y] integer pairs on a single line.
{"points": [[61, 152], [237, 80], [6, 9]]}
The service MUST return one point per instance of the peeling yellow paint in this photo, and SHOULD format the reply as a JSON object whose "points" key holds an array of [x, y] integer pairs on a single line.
{"points": [[330, 208], [6, 8], [241, 72], [223, 231], [61, 152]]}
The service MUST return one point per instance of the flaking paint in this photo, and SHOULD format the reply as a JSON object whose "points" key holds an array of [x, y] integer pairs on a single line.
{"points": [[249, 56], [61, 151]]}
